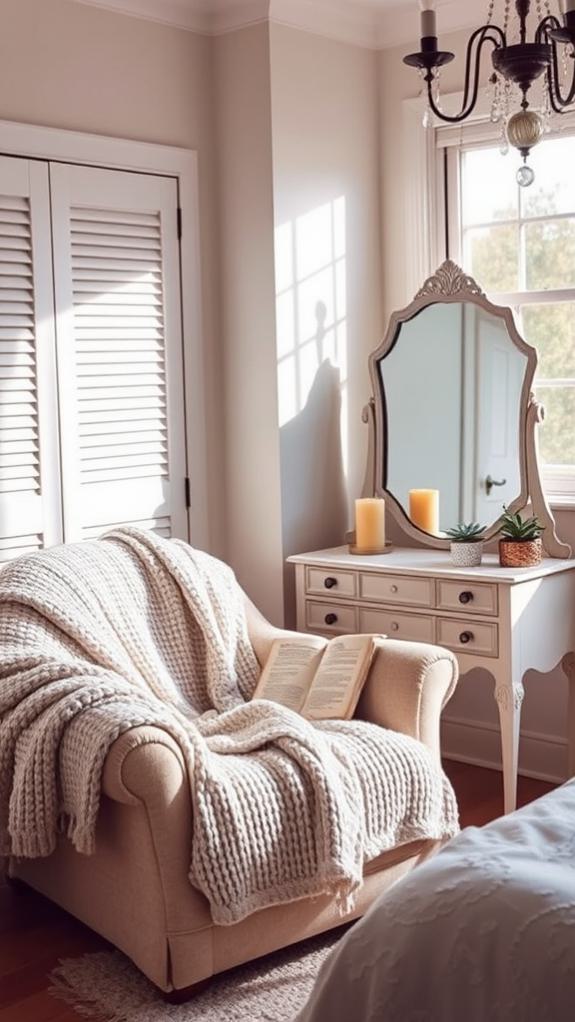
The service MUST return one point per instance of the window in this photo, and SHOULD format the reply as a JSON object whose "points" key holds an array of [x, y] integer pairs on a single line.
{"points": [[520, 246]]}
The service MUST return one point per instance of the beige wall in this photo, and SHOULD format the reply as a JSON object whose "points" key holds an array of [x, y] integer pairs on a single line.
{"points": [[544, 709], [253, 521], [326, 213], [67, 65]]}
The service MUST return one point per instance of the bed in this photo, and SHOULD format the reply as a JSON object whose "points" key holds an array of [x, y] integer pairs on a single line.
{"points": [[484, 932]]}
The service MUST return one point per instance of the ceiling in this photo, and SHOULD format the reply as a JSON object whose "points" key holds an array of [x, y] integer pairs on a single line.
{"points": [[377, 24]]}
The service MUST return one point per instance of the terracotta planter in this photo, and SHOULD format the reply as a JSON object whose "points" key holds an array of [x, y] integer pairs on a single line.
{"points": [[466, 555], [520, 554]]}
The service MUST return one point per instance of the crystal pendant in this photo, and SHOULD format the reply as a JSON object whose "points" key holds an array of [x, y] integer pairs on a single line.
{"points": [[525, 176], [427, 120]]}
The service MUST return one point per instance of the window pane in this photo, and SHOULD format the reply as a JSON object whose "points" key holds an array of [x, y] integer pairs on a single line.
{"points": [[553, 190], [489, 189], [557, 432], [493, 257], [551, 329], [550, 254]]}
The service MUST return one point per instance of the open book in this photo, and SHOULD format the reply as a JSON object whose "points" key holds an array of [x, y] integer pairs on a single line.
{"points": [[321, 679]]}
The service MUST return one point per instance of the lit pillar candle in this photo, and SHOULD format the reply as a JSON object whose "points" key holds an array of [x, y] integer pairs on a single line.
{"points": [[428, 21], [424, 509], [370, 524]]}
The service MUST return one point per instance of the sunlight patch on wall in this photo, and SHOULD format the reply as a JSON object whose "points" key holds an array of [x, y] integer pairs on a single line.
{"points": [[310, 263]]}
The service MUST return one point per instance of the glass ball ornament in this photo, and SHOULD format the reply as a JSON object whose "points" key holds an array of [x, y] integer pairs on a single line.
{"points": [[525, 176], [524, 129]]}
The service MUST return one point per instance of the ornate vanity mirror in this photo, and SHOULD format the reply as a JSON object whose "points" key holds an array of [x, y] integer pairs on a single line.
{"points": [[453, 420]]}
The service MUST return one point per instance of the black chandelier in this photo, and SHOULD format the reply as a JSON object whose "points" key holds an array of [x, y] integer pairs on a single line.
{"points": [[517, 63]]}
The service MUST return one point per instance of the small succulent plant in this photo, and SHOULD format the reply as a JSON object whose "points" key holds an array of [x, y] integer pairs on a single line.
{"points": [[472, 532], [519, 530]]}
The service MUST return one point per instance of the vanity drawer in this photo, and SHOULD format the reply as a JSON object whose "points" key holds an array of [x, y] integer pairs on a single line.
{"points": [[322, 581], [414, 592], [325, 617], [413, 627], [467, 598], [476, 637]]}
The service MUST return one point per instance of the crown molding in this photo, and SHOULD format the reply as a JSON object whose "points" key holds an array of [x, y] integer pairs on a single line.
{"points": [[374, 24]]}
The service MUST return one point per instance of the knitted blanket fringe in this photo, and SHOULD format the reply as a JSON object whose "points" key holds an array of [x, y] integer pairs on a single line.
{"points": [[100, 637]]}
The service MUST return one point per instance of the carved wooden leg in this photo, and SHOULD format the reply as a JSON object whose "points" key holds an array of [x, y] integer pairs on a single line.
{"points": [[509, 697], [568, 665]]}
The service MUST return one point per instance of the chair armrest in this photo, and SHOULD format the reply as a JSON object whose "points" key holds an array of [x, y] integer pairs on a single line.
{"points": [[408, 685], [146, 775], [145, 764], [262, 633]]}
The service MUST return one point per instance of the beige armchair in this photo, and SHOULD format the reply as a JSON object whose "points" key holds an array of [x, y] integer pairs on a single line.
{"points": [[135, 890]]}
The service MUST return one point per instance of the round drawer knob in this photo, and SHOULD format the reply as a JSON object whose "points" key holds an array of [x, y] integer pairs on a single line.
{"points": [[330, 619], [466, 637], [465, 597], [393, 589], [330, 582], [394, 626]]}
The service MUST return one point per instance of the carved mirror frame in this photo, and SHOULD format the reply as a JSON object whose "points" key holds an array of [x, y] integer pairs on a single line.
{"points": [[450, 285]]}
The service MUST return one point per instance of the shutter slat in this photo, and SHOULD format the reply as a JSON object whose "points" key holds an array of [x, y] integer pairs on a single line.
{"points": [[125, 319], [102, 437], [97, 261], [23, 471], [108, 304], [18, 460], [12, 387], [114, 216], [20, 358], [110, 475], [120, 415], [117, 358], [118, 286], [15, 202], [16, 546], [18, 440], [159, 525], [14, 486], [127, 344], [88, 231], [115, 245], [23, 408]]}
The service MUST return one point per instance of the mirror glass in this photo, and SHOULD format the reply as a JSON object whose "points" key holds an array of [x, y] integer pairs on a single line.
{"points": [[451, 388]]}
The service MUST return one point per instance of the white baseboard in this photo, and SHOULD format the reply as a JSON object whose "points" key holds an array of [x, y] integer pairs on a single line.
{"points": [[469, 741]]}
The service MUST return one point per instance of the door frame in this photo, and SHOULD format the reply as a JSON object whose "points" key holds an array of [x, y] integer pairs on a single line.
{"points": [[61, 145]]}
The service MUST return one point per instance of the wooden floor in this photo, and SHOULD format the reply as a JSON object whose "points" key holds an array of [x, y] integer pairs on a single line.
{"points": [[34, 934]]}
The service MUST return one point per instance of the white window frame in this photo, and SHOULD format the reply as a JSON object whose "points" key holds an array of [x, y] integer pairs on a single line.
{"points": [[52, 144], [433, 212]]}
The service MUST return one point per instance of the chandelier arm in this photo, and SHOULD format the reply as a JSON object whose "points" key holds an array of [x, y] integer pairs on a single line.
{"points": [[484, 35], [558, 101], [549, 23]]}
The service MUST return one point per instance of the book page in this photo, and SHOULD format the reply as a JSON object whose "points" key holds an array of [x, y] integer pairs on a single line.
{"points": [[290, 669], [340, 677]]}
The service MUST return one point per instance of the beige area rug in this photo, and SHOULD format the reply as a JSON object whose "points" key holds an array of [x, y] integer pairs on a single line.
{"points": [[106, 986]]}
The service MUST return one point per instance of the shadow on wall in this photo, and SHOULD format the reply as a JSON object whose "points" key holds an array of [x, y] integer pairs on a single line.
{"points": [[313, 481], [312, 342]]}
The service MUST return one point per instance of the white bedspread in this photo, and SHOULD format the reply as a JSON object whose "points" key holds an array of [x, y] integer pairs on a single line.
{"points": [[485, 932]]}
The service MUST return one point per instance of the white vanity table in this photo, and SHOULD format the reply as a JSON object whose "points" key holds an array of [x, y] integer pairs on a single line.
{"points": [[505, 620], [453, 410]]}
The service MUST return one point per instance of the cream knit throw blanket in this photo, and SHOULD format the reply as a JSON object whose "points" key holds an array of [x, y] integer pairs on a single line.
{"points": [[103, 636]]}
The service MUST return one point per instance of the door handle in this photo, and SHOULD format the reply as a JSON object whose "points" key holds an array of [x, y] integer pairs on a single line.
{"points": [[490, 482]]}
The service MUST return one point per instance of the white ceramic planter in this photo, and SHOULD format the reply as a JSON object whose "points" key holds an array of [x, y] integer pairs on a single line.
{"points": [[467, 555]]}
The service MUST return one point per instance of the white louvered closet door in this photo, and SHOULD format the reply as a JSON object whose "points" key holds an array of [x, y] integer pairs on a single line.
{"points": [[30, 502], [120, 363]]}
